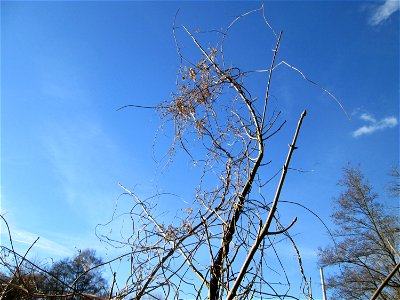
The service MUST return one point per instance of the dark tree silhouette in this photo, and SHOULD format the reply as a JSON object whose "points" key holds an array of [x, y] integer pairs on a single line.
{"points": [[78, 273], [79, 277]]}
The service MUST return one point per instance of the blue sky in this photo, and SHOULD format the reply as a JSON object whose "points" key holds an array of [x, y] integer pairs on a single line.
{"points": [[67, 66]]}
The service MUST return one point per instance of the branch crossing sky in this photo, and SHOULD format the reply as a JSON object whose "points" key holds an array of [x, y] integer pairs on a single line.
{"points": [[66, 67]]}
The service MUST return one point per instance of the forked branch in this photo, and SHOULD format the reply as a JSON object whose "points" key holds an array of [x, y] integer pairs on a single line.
{"points": [[264, 230]]}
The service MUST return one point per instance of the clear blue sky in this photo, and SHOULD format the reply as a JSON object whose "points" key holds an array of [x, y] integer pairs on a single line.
{"points": [[67, 66]]}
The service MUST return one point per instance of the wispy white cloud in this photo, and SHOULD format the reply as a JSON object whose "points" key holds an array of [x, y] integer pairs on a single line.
{"points": [[384, 11], [46, 246], [73, 149], [51, 246], [374, 125], [368, 118]]}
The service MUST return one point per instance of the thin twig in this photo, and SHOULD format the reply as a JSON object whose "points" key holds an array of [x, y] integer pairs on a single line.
{"points": [[264, 231], [385, 282]]}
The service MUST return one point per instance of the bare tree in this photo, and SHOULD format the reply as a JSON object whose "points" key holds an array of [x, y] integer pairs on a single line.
{"points": [[227, 243], [21, 278], [367, 248], [75, 272], [394, 184]]}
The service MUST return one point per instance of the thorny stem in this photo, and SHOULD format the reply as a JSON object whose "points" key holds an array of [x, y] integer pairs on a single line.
{"points": [[269, 79], [264, 231], [216, 268], [176, 245]]}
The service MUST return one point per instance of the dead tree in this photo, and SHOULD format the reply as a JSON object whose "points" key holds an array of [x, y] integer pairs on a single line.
{"points": [[225, 245]]}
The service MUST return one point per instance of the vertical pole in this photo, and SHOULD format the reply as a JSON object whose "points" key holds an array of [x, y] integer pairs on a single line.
{"points": [[321, 271]]}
